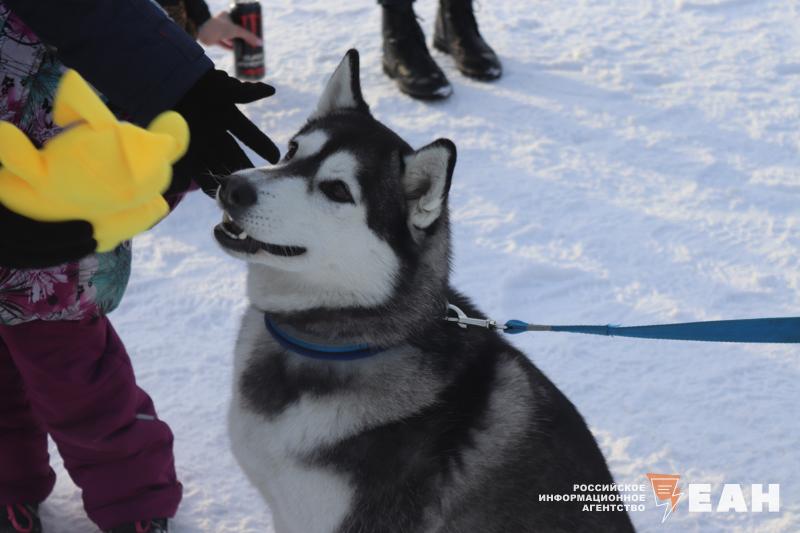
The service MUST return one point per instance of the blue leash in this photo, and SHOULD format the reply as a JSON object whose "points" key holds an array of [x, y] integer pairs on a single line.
{"points": [[755, 330]]}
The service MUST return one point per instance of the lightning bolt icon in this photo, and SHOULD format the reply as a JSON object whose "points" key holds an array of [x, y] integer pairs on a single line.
{"points": [[666, 492]]}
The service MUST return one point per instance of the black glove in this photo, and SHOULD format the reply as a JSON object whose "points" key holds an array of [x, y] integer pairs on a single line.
{"points": [[210, 110], [26, 243]]}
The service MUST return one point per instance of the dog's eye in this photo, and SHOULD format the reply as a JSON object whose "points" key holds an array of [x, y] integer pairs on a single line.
{"points": [[337, 191], [292, 150]]}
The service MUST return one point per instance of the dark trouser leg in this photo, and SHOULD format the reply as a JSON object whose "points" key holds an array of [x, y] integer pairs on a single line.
{"points": [[25, 473], [80, 382]]}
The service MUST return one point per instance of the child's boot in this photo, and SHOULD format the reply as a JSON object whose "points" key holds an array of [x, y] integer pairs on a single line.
{"points": [[19, 518]]}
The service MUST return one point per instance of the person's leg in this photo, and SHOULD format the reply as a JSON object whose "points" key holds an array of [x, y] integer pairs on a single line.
{"points": [[80, 383], [456, 33], [25, 473], [406, 58]]}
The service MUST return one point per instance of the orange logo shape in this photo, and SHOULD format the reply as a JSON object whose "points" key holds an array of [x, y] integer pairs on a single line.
{"points": [[666, 492]]}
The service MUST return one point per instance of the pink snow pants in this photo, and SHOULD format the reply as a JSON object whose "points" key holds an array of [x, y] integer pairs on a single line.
{"points": [[73, 380]]}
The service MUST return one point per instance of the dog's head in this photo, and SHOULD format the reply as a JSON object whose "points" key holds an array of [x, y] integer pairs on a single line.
{"points": [[347, 214]]}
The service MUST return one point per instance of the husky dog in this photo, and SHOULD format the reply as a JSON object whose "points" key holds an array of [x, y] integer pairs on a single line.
{"points": [[357, 408]]}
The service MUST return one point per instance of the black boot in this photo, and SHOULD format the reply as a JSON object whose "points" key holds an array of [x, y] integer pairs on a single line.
{"points": [[406, 58], [156, 525], [16, 518], [457, 34]]}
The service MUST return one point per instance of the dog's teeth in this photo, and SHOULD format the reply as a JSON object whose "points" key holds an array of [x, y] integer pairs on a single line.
{"points": [[226, 217], [242, 236], [228, 233]]}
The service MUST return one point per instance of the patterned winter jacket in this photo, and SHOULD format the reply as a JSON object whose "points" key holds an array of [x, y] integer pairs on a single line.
{"points": [[29, 74], [162, 67]]}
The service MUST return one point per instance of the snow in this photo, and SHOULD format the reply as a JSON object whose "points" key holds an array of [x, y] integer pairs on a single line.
{"points": [[636, 164]]}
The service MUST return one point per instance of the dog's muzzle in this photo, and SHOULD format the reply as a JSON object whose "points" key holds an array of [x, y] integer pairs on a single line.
{"points": [[233, 237]]}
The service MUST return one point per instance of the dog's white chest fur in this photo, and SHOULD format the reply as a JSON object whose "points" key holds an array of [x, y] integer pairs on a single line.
{"points": [[302, 498]]}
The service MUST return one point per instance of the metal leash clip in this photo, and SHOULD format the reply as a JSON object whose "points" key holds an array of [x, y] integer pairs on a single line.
{"points": [[463, 320]]}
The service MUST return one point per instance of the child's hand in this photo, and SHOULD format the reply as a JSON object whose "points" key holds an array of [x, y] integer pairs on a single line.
{"points": [[220, 30]]}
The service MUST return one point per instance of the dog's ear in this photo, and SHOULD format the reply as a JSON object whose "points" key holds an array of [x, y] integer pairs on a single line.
{"points": [[427, 177], [343, 91]]}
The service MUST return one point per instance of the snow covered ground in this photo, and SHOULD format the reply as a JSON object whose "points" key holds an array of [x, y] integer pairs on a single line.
{"points": [[638, 163]]}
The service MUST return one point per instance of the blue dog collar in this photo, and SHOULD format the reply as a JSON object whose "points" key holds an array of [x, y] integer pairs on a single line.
{"points": [[348, 352]]}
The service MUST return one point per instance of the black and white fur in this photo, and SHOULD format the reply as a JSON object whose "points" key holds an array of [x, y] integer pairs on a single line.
{"points": [[450, 429]]}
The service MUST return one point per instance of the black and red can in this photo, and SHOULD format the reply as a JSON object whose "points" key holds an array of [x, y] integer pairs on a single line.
{"points": [[250, 64]]}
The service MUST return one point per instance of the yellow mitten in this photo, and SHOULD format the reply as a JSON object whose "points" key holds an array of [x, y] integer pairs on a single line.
{"points": [[101, 170]]}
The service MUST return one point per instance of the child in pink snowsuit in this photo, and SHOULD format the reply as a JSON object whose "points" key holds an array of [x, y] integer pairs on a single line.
{"points": [[63, 370]]}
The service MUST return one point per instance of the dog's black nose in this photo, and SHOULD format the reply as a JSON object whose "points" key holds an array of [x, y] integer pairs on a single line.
{"points": [[236, 192]]}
